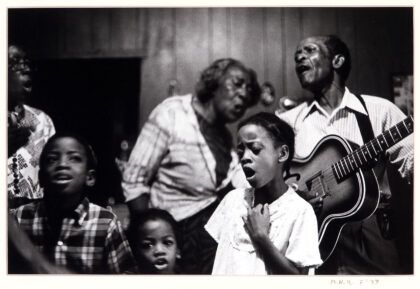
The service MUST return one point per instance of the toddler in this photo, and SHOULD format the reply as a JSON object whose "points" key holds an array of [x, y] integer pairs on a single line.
{"points": [[154, 239]]}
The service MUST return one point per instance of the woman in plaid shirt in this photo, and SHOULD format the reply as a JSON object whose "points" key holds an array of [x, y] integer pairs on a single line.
{"points": [[70, 231]]}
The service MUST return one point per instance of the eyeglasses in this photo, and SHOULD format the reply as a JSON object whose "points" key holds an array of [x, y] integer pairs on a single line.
{"points": [[19, 64]]}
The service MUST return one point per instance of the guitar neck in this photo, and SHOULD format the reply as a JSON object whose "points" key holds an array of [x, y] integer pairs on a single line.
{"points": [[370, 151]]}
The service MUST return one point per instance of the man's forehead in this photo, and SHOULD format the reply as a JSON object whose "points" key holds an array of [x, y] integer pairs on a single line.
{"points": [[314, 40]]}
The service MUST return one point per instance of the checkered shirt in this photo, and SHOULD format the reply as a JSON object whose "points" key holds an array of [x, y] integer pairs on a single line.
{"points": [[90, 241]]}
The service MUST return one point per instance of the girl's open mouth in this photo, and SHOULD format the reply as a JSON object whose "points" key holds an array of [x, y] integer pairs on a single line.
{"points": [[248, 172]]}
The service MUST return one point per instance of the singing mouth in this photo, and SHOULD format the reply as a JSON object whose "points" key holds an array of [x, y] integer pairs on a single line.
{"points": [[26, 81], [300, 69], [161, 264], [248, 172], [62, 179], [238, 109]]}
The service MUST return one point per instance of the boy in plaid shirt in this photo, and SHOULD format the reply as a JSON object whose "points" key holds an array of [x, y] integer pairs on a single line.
{"points": [[65, 226]]}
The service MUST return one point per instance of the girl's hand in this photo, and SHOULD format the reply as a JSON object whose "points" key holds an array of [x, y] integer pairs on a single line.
{"points": [[257, 223]]}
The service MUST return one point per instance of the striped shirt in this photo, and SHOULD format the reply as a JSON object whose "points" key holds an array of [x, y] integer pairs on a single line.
{"points": [[311, 123], [361, 249], [90, 241], [172, 162]]}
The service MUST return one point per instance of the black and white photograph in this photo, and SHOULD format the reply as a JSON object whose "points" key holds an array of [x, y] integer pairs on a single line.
{"points": [[210, 141]]}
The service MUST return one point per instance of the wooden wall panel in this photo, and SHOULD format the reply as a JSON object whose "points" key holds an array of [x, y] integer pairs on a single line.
{"points": [[46, 28], [141, 37], [191, 46], [381, 52], [247, 37], [219, 33], [179, 43], [293, 34], [123, 29], [369, 57], [275, 52], [346, 30], [247, 40], [101, 30], [311, 24], [77, 39], [402, 52], [158, 67]]}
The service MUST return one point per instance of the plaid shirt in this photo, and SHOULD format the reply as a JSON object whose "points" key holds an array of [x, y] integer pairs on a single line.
{"points": [[90, 241]]}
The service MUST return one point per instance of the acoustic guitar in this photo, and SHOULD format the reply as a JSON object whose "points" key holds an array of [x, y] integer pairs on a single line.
{"points": [[343, 179]]}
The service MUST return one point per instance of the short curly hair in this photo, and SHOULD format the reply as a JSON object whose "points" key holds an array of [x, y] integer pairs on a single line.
{"points": [[337, 46], [210, 80], [92, 161], [279, 130], [138, 220]]}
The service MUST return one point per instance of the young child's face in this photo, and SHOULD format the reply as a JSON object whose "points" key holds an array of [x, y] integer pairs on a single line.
{"points": [[157, 247], [65, 170], [258, 155]]}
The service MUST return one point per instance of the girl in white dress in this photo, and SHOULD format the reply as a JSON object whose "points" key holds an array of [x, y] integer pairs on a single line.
{"points": [[267, 228]]}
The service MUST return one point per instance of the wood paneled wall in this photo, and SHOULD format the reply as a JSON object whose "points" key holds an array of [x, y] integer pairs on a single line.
{"points": [[177, 43]]}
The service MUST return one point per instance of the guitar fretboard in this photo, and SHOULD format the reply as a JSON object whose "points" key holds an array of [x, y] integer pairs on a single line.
{"points": [[370, 151]]}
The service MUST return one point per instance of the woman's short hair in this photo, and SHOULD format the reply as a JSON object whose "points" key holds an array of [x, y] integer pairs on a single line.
{"points": [[210, 80]]}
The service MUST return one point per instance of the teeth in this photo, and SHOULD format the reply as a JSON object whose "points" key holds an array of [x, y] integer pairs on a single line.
{"points": [[161, 264], [62, 182], [161, 267]]}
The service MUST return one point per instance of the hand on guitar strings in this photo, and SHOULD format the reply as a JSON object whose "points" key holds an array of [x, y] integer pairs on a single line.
{"points": [[317, 203], [313, 198]]}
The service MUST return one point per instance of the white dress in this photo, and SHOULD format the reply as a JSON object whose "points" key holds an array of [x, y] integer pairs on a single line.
{"points": [[293, 231]]}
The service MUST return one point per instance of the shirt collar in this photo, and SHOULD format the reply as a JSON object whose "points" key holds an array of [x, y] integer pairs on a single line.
{"points": [[81, 211], [349, 101], [352, 102], [79, 214], [250, 196]]}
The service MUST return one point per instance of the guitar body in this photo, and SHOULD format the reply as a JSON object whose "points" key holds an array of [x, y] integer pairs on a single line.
{"points": [[352, 199]]}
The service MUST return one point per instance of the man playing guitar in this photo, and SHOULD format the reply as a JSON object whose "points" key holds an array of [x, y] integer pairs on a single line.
{"points": [[322, 64]]}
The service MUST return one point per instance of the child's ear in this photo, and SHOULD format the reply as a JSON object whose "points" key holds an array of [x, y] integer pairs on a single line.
{"points": [[283, 153], [90, 178]]}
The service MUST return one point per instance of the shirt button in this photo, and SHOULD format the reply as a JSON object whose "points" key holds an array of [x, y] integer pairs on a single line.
{"points": [[60, 243]]}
